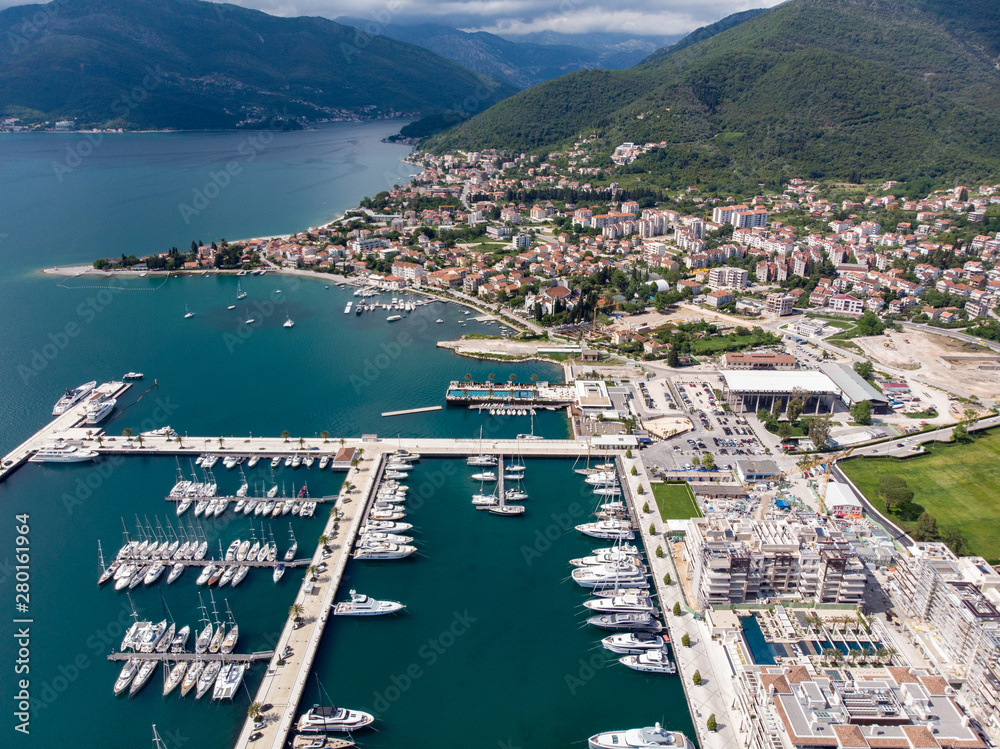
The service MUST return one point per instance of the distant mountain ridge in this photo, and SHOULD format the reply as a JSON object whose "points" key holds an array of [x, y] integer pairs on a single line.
{"points": [[197, 65], [707, 32], [814, 88], [517, 61]]}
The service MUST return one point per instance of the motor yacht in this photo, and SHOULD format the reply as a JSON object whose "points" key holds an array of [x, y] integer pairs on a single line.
{"points": [[362, 605], [638, 738]]}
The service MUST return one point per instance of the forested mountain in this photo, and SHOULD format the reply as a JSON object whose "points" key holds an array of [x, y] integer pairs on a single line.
{"points": [[190, 64], [817, 88]]}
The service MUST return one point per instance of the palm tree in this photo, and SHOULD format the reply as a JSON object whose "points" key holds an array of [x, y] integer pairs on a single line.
{"points": [[220, 443], [254, 711], [341, 441], [512, 377], [324, 434], [295, 611], [324, 540], [285, 435], [468, 377], [881, 654], [302, 442], [100, 440], [139, 440], [179, 438], [311, 570], [127, 432], [534, 378], [855, 654], [490, 377]]}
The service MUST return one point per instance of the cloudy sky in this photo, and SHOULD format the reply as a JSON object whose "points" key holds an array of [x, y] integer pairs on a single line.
{"points": [[634, 17]]}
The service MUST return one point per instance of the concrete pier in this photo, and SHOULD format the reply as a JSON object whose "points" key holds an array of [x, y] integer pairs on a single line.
{"points": [[283, 685], [264, 655]]}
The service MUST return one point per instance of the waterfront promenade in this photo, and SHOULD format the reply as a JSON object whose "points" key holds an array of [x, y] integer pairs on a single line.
{"points": [[717, 691]]}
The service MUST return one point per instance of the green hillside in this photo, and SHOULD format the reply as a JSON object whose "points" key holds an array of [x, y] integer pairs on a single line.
{"points": [[816, 88], [190, 64]]}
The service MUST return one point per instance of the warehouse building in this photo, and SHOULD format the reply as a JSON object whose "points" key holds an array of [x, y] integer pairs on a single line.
{"points": [[751, 390]]}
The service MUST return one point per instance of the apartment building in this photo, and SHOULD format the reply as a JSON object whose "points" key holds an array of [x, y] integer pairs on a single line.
{"points": [[725, 277], [779, 304], [787, 558]]}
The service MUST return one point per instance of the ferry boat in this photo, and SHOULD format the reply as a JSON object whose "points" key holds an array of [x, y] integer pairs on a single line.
{"points": [[362, 605], [638, 738], [63, 454], [321, 719], [72, 397]]}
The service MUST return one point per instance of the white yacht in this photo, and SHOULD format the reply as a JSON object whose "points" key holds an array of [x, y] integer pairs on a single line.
{"points": [[132, 376], [626, 603], [385, 526], [650, 662], [275, 462], [484, 476], [279, 572], [99, 410], [602, 477], [508, 510], [254, 460], [240, 294], [192, 676], [382, 550], [609, 529], [362, 605], [621, 574], [633, 643], [321, 719], [638, 738], [207, 678], [72, 397], [380, 537], [63, 454], [126, 675], [324, 462], [228, 681], [145, 671], [174, 677], [626, 621], [187, 313], [606, 556]]}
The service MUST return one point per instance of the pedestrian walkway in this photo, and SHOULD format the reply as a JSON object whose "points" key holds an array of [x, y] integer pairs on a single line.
{"points": [[716, 695]]}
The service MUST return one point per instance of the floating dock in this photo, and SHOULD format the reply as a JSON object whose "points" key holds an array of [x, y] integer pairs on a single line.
{"points": [[424, 410]]}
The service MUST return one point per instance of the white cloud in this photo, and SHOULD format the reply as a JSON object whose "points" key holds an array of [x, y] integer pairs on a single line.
{"points": [[633, 17]]}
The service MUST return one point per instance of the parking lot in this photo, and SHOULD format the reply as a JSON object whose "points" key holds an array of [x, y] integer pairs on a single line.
{"points": [[715, 430]]}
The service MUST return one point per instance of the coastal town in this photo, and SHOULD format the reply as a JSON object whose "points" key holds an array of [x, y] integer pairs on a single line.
{"points": [[765, 362]]}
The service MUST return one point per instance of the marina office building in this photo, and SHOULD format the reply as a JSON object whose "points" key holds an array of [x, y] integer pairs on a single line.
{"points": [[787, 558], [750, 390]]}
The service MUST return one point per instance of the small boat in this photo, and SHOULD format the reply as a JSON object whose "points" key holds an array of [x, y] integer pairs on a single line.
{"points": [[187, 313], [254, 460], [393, 318], [308, 461], [651, 662], [241, 572], [509, 510], [229, 641], [288, 323], [279, 572], [179, 642], [175, 572], [227, 576], [638, 738], [145, 671], [192, 676], [362, 605], [132, 376], [275, 462], [633, 643], [174, 677], [240, 294], [439, 320], [166, 639], [126, 675], [484, 476], [296, 461], [324, 462]]}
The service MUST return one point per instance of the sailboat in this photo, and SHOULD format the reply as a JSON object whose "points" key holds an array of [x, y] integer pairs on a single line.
{"points": [[531, 435], [205, 636], [187, 312], [290, 554], [481, 459], [502, 508], [288, 320], [249, 320], [240, 294], [229, 641]]}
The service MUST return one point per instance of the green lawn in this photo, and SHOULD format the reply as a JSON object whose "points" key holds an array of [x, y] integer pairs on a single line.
{"points": [[958, 484], [675, 501]]}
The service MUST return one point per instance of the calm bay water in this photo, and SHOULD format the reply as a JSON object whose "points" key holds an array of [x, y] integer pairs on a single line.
{"points": [[504, 677]]}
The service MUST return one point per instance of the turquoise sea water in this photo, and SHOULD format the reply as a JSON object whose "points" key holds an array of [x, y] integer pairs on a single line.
{"points": [[504, 678]]}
